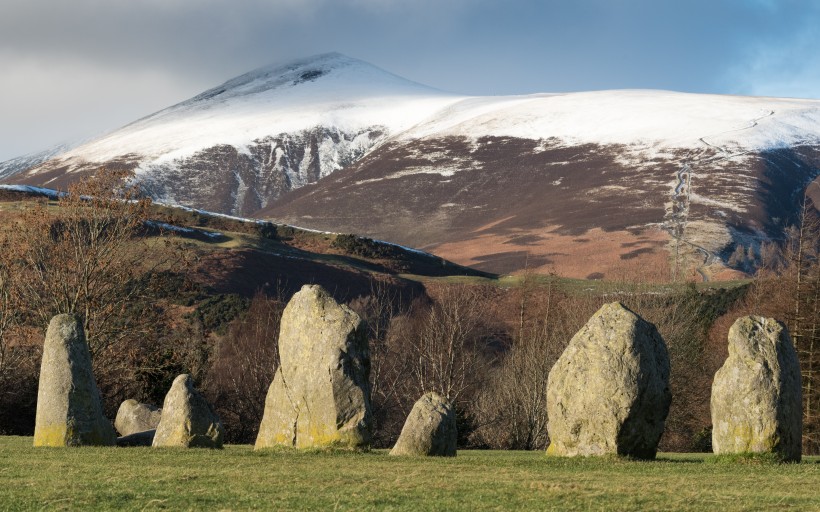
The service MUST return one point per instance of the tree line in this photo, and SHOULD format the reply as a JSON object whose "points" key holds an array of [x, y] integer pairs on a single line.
{"points": [[488, 349]]}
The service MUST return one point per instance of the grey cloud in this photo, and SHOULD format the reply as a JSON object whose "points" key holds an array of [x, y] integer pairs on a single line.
{"points": [[177, 48]]}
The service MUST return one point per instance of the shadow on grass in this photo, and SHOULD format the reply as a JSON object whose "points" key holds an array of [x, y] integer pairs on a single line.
{"points": [[755, 459]]}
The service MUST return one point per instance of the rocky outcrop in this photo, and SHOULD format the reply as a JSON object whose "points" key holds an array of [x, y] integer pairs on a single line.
{"points": [[430, 429], [133, 417], [187, 421], [69, 409], [609, 393], [241, 180], [320, 394], [756, 394]]}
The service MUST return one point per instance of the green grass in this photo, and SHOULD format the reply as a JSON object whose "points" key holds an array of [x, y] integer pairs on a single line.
{"points": [[238, 478]]}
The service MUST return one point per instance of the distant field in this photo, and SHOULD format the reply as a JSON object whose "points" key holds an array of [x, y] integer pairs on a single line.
{"points": [[238, 478], [580, 286]]}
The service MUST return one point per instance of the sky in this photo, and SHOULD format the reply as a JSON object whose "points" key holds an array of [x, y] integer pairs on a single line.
{"points": [[71, 70]]}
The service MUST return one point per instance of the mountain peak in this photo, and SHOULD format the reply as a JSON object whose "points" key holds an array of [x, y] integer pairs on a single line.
{"points": [[322, 68]]}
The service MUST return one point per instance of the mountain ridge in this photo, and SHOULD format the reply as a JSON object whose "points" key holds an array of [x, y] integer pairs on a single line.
{"points": [[698, 175]]}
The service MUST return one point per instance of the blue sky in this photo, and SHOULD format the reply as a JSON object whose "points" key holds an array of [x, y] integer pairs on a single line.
{"points": [[73, 69]]}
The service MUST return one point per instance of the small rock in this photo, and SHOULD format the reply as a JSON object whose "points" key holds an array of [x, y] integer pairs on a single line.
{"points": [[133, 417], [187, 421], [430, 429], [756, 394], [609, 393], [69, 408]]}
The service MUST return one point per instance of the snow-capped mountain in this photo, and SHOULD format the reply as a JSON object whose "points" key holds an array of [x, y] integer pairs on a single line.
{"points": [[587, 184], [236, 147], [17, 165]]}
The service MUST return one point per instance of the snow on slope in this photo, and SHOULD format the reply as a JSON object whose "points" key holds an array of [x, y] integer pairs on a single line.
{"points": [[13, 166], [28, 189], [630, 117], [350, 97], [329, 90]]}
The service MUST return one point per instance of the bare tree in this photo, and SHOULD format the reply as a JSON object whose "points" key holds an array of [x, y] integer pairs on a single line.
{"points": [[378, 309], [383, 312], [511, 409], [8, 317], [447, 343], [19, 357], [83, 257], [803, 271], [243, 366], [442, 343]]}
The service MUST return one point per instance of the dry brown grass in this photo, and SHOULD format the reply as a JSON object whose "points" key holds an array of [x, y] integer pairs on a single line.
{"points": [[595, 254]]}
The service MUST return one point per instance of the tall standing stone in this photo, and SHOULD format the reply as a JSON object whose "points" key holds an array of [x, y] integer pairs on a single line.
{"points": [[609, 393], [320, 394], [69, 408], [187, 420], [756, 394], [430, 429]]}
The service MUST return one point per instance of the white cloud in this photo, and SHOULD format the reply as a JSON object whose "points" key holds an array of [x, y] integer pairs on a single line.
{"points": [[67, 99], [788, 68], [74, 69]]}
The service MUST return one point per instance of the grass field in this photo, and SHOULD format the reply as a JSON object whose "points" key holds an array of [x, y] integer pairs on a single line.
{"points": [[238, 478]]}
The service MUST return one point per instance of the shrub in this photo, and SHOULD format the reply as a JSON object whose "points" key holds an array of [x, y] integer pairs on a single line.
{"points": [[215, 313], [365, 247]]}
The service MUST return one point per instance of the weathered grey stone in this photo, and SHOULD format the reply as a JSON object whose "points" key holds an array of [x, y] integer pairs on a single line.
{"points": [[69, 408], [133, 417], [756, 394], [608, 393], [430, 429], [320, 394], [144, 438], [187, 421]]}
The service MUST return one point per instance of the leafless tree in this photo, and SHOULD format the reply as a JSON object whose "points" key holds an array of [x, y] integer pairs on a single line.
{"points": [[19, 357], [447, 343], [8, 317], [244, 362], [378, 309], [83, 256], [511, 409], [802, 254]]}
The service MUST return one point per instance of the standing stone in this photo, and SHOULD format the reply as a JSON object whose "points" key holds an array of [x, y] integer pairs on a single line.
{"points": [[756, 394], [133, 417], [320, 394], [69, 408], [430, 429], [608, 393], [187, 421]]}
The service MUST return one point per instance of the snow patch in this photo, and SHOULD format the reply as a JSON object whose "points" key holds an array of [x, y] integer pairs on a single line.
{"points": [[412, 171], [696, 198], [53, 194], [180, 229], [408, 249]]}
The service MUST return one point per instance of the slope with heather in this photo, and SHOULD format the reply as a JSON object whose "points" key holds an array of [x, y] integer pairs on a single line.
{"points": [[587, 184]]}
